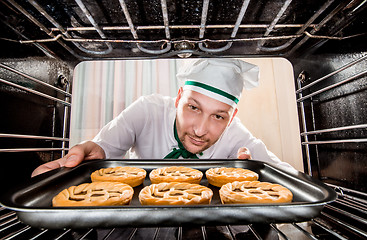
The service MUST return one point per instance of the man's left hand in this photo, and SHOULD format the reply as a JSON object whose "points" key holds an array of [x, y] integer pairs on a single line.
{"points": [[243, 153]]}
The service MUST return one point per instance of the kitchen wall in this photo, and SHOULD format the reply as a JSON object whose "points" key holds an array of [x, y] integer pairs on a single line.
{"points": [[270, 111]]}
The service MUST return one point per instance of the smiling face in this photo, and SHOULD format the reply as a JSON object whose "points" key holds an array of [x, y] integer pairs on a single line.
{"points": [[200, 120]]}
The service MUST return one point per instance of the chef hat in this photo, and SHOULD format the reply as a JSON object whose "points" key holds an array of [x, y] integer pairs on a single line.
{"points": [[222, 79]]}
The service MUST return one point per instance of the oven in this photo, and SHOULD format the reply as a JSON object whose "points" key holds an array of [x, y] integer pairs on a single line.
{"points": [[43, 41]]}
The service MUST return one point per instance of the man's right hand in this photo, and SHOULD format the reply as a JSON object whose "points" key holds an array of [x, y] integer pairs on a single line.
{"points": [[84, 151]]}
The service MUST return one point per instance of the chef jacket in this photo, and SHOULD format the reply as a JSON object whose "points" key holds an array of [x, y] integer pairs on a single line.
{"points": [[146, 127]]}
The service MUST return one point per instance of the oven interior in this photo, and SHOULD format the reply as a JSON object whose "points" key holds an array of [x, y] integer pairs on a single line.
{"points": [[42, 42]]}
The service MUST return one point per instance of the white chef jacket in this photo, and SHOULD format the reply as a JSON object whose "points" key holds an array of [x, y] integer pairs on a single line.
{"points": [[146, 127]]}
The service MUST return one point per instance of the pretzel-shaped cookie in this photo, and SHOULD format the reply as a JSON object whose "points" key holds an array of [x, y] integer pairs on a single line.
{"points": [[220, 176], [130, 175], [175, 193], [94, 194], [254, 192], [175, 174]]}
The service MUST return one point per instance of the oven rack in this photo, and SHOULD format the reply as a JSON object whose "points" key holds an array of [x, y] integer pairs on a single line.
{"points": [[344, 219], [65, 100], [303, 85], [18, 229], [274, 37]]}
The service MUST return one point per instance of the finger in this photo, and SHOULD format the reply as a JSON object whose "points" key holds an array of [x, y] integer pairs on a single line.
{"points": [[243, 153], [48, 166], [39, 170], [84, 151], [73, 160], [244, 156], [75, 155]]}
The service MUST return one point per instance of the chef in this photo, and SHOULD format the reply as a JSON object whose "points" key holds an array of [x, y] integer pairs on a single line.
{"points": [[199, 123]]}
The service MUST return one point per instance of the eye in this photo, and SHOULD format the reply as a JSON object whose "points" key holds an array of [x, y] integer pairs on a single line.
{"points": [[218, 117], [192, 107]]}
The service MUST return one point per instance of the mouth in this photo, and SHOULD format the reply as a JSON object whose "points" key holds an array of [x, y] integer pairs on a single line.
{"points": [[196, 141]]}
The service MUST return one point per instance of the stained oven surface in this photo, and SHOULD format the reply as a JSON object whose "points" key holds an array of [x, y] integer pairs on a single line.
{"points": [[42, 42]]}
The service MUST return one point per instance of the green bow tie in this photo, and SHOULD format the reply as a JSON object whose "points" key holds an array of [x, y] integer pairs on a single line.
{"points": [[176, 153]]}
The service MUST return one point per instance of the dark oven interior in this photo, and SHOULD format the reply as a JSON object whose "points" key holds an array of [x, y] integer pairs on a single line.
{"points": [[42, 42]]}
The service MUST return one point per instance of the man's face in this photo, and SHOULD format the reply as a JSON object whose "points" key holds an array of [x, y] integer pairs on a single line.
{"points": [[201, 120]]}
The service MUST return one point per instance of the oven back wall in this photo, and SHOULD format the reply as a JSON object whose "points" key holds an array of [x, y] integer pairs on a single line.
{"points": [[27, 114]]}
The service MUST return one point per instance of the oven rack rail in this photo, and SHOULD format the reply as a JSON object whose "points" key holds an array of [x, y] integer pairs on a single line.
{"points": [[13, 228], [62, 34], [66, 101], [346, 218], [301, 99]]}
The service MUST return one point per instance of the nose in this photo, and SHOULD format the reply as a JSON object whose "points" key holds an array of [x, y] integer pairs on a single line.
{"points": [[201, 126]]}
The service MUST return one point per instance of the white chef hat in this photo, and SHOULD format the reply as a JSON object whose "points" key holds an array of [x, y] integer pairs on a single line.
{"points": [[219, 78]]}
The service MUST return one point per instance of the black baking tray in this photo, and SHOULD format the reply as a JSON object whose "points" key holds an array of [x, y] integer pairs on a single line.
{"points": [[32, 200]]}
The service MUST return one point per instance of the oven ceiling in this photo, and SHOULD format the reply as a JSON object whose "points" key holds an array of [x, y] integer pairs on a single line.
{"points": [[104, 29]]}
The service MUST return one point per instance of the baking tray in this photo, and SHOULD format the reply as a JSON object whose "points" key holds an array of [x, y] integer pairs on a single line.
{"points": [[32, 200]]}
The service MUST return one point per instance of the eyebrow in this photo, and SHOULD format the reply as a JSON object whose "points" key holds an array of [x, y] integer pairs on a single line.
{"points": [[193, 99], [216, 111]]}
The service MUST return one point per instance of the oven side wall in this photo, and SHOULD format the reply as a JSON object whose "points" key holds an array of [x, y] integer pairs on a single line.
{"points": [[341, 102], [26, 116]]}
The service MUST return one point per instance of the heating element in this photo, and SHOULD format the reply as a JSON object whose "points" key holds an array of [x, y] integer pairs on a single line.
{"points": [[108, 30]]}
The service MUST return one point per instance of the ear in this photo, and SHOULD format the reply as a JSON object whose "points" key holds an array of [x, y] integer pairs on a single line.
{"points": [[234, 114], [179, 94]]}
